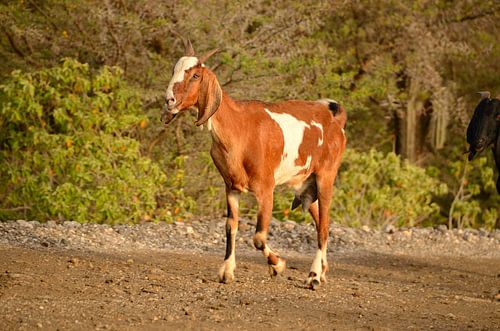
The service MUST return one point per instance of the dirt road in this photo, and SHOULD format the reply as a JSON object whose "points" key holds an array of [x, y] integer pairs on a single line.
{"points": [[56, 288]]}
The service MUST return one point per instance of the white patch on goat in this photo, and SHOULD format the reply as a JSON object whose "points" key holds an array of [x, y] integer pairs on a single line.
{"points": [[308, 162], [209, 124], [184, 63], [316, 266], [320, 127], [293, 133], [326, 102]]}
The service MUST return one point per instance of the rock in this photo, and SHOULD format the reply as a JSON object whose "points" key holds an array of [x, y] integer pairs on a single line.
{"points": [[483, 232], [472, 231], [365, 228], [442, 228], [389, 228], [75, 261], [189, 230], [406, 233], [468, 236], [24, 224]]}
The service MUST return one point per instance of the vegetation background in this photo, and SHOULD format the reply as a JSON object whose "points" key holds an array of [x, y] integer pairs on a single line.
{"points": [[82, 84]]}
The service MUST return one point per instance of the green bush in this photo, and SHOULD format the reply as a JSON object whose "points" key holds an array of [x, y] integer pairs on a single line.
{"points": [[470, 181], [375, 189], [67, 148]]}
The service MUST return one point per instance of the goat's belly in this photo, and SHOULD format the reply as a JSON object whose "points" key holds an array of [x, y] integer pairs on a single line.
{"points": [[289, 172]]}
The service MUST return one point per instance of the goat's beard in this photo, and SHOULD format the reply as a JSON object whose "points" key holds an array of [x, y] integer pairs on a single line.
{"points": [[167, 117]]}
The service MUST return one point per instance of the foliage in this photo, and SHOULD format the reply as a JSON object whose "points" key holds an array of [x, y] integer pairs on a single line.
{"points": [[406, 71], [376, 189], [471, 179], [67, 149]]}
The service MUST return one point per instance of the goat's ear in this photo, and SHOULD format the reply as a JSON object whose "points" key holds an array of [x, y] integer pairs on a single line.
{"points": [[209, 98]]}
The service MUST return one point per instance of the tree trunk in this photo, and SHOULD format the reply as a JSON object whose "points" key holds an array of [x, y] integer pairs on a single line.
{"points": [[412, 125]]}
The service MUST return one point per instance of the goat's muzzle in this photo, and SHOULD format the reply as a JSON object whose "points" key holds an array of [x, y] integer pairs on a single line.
{"points": [[474, 150]]}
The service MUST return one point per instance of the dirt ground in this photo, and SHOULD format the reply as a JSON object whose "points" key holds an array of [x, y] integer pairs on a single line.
{"points": [[52, 288]]}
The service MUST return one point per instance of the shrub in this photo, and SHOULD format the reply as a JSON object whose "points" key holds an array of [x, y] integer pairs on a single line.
{"points": [[67, 149], [376, 189], [470, 181]]}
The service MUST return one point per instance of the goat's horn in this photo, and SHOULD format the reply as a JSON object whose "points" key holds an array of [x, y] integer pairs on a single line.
{"points": [[484, 94], [205, 57], [189, 48]]}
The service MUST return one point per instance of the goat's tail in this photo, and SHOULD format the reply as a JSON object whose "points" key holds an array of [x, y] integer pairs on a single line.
{"points": [[337, 110]]}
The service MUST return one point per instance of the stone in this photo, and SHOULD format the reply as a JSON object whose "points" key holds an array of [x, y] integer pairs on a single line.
{"points": [[72, 224], [442, 228], [25, 224], [389, 228]]}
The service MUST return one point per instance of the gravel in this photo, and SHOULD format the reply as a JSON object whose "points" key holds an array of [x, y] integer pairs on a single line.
{"points": [[201, 235]]}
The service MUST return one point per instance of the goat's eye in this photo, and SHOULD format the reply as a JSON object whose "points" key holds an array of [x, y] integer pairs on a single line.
{"points": [[196, 76]]}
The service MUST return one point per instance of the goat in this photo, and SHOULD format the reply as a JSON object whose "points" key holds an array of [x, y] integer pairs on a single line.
{"points": [[257, 145], [484, 129]]}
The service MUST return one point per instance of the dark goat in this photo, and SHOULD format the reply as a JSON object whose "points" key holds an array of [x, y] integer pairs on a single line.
{"points": [[484, 129]]}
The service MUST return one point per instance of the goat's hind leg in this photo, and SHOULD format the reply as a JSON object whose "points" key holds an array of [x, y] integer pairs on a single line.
{"points": [[276, 263], [319, 212], [320, 261], [226, 271]]}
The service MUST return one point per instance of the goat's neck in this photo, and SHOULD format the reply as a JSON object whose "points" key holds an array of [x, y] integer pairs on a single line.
{"points": [[227, 122]]}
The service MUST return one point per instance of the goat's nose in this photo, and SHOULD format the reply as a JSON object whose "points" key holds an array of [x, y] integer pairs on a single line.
{"points": [[170, 101]]}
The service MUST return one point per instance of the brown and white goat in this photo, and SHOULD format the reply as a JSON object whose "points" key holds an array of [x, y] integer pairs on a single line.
{"points": [[257, 145]]}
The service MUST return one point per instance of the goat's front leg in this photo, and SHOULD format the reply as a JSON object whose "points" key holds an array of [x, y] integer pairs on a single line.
{"points": [[319, 211], [226, 271], [275, 262]]}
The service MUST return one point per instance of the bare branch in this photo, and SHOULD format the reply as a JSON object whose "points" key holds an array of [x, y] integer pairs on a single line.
{"points": [[13, 43]]}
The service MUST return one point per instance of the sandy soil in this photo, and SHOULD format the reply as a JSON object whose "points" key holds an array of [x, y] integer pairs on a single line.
{"points": [[57, 288]]}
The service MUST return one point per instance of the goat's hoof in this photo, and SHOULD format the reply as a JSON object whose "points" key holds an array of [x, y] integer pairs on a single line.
{"points": [[276, 269], [225, 276], [315, 284], [313, 281]]}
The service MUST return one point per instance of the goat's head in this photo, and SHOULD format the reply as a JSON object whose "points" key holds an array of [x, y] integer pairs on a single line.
{"points": [[192, 84], [484, 125]]}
